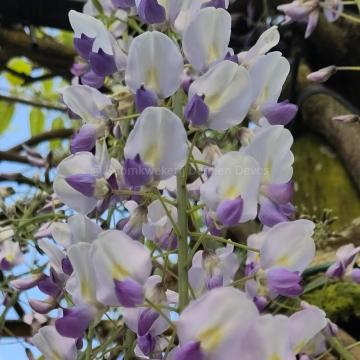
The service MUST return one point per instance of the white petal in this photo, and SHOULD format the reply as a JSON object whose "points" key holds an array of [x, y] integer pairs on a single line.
{"points": [[61, 233], [86, 102], [267, 40], [216, 319], [271, 148], [53, 345], [159, 137], [117, 256], [304, 325], [227, 90], [80, 163], [268, 76], [148, 64], [289, 245], [93, 28], [53, 253], [82, 284], [268, 338], [207, 37]]}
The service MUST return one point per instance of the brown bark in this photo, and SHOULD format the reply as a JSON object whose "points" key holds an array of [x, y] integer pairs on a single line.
{"points": [[46, 52]]}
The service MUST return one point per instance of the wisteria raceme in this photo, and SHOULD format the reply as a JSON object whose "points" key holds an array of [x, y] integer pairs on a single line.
{"points": [[151, 195]]}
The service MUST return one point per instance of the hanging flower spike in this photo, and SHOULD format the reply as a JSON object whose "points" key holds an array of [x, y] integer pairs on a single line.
{"points": [[156, 147], [226, 88], [123, 265], [96, 44], [207, 38], [212, 326], [157, 74], [234, 177]]}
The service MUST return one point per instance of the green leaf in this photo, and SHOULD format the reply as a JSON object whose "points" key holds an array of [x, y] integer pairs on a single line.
{"points": [[37, 121], [57, 123], [47, 86], [358, 4], [21, 66], [6, 113]]}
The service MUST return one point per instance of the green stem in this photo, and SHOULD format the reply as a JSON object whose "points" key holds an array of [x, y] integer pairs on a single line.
{"points": [[225, 241], [182, 241], [348, 68], [129, 345], [340, 349], [89, 343]]}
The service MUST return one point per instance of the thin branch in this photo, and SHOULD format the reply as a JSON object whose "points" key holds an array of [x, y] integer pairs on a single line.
{"points": [[10, 156], [40, 104], [21, 179], [45, 136]]}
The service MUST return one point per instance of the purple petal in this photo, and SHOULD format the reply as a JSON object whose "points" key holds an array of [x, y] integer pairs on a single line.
{"points": [[168, 241], [151, 12], [83, 183], [83, 46], [79, 69], [196, 111], [218, 4], [355, 275], [49, 287], [42, 306], [270, 213], [214, 282], [190, 351], [146, 321], [145, 98], [92, 80], [284, 282], [84, 140], [312, 22], [74, 322], [66, 266], [231, 57], [136, 172], [129, 293], [123, 4], [279, 193], [229, 211], [5, 265], [336, 270], [102, 64], [280, 113], [146, 344]]}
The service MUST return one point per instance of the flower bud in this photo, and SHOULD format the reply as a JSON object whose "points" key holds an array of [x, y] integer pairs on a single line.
{"points": [[323, 74]]}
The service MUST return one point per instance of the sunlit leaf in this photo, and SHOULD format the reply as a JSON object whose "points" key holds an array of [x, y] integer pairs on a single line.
{"points": [[57, 123], [37, 121], [21, 66], [6, 114]]}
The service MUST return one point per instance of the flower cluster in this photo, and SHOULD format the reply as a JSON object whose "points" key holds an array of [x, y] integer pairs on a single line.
{"points": [[150, 192]]}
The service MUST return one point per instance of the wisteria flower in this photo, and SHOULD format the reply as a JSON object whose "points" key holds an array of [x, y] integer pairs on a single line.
{"points": [[156, 148]]}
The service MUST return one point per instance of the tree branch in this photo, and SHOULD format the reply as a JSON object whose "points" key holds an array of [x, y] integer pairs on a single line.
{"points": [[15, 99], [46, 136]]}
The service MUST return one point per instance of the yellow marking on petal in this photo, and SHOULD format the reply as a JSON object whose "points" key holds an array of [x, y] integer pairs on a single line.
{"points": [[152, 155], [299, 347], [231, 192], [10, 257], [267, 172], [211, 337], [213, 53], [275, 357], [283, 261], [214, 102], [151, 79], [86, 290], [56, 356], [119, 272]]}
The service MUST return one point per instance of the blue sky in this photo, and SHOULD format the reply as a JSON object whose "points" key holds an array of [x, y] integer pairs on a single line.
{"points": [[18, 132]]}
